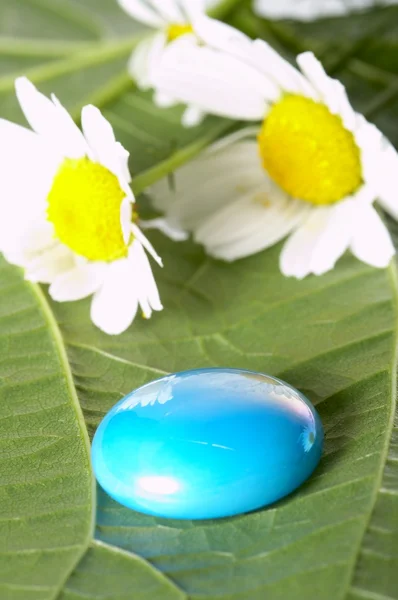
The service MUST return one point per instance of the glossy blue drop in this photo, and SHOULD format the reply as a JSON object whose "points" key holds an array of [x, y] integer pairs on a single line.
{"points": [[207, 443]]}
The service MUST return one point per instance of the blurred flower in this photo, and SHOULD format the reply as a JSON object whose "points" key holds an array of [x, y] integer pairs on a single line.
{"points": [[172, 20], [66, 211], [315, 168], [308, 10]]}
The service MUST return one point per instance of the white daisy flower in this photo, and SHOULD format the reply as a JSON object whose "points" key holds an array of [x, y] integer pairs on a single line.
{"points": [[312, 168], [308, 10], [66, 211], [171, 20]]}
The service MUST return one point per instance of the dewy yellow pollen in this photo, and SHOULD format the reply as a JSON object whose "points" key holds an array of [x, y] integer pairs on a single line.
{"points": [[84, 207], [176, 30], [308, 152]]}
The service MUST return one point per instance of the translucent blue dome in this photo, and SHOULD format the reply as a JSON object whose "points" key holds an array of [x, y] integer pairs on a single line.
{"points": [[207, 443]]}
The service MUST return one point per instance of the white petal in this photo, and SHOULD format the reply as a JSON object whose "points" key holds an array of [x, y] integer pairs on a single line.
{"points": [[221, 36], [258, 54], [104, 148], [140, 11], [387, 184], [213, 180], [264, 58], [148, 295], [51, 120], [28, 167], [192, 117], [146, 243], [138, 65], [78, 283], [126, 213], [48, 265], [124, 161], [332, 92], [115, 304], [195, 8], [72, 137], [128, 283], [371, 242], [309, 10], [99, 135], [163, 100], [319, 242], [22, 245], [251, 224], [372, 144], [174, 233], [169, 10], [145, 57], [211, 81]]}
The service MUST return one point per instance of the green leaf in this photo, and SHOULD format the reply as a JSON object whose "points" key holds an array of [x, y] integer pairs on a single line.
{"points": [[110, 573], [46, 486], [376, 570], [377, 566], [334, 337]]}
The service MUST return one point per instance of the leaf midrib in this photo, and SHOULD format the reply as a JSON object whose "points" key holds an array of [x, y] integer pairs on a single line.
{"points": [[64, 362], [392, 272]]}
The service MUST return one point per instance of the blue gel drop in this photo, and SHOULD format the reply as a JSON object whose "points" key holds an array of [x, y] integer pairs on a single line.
{"points": [[207, 443]]}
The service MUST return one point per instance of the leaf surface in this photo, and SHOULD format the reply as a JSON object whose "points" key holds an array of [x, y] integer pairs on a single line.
{"points": [[47, 495], [333, 337]]}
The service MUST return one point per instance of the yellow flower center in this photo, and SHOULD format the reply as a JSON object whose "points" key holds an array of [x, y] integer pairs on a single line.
{"points": [[176, 30], [308, 151], [84, 207]]}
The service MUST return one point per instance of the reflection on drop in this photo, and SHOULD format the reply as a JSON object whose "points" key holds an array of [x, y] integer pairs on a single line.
{"points": [[307, 437], [159, 485]]}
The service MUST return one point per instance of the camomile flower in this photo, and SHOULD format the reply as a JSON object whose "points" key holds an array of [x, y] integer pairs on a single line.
{"points": [[171, 20], [312, 168], [66, 211], [308, 10], [308, 436]]}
